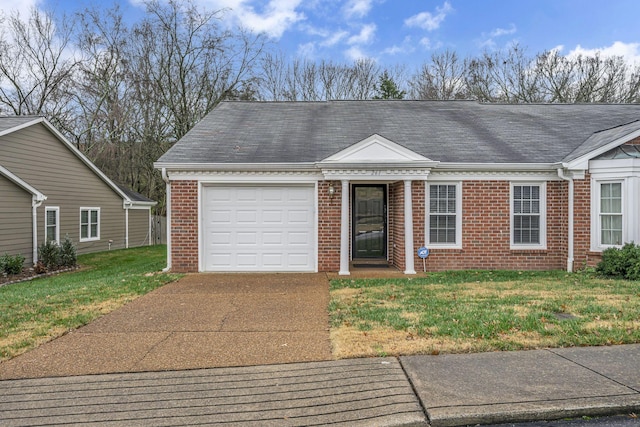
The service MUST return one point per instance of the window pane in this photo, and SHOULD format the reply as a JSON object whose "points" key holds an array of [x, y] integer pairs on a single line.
{"points": [[84, 217], [84, 231], [94, 217], [94, 230], [51, 217]]}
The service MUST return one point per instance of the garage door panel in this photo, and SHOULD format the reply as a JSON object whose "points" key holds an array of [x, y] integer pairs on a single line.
{"points": [[272, 217], [221, 238], [272, 238], [268, 228], [247, 238]]}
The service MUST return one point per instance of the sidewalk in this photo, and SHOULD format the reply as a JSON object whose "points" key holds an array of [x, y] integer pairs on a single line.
{"points": [[445, 390]]}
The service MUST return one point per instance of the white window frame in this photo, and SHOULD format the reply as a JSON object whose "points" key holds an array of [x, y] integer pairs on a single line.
{"points": [[55, 209], [458, 215], [596, 223], [627, 172], [90, 237], [542, 215]]}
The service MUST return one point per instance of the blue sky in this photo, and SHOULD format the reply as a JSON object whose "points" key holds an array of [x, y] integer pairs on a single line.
{"points": [[409, 31]]}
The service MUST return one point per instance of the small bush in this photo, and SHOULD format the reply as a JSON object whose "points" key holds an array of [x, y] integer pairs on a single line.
{"points": [[68, 256], [623, 263], [12, 264], [49, 254]]}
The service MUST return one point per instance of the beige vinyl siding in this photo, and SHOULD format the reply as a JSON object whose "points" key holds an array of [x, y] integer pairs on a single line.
{"points": [[16, 229], [39, 158], [138, 227]]}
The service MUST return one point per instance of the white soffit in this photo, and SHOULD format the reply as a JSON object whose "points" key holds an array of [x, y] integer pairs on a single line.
{"points": [[375, 149]]}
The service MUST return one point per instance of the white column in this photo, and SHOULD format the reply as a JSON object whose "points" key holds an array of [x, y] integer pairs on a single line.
{"points": [[344, 230], [408, 229]]}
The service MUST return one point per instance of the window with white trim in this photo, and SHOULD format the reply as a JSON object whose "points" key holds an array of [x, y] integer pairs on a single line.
{"points": [[52, 223], [610, 214], [444, 219], [89, 224], [528, 216]]}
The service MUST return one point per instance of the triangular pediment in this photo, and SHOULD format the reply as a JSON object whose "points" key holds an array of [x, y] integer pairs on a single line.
{"points": [[376, 149]]}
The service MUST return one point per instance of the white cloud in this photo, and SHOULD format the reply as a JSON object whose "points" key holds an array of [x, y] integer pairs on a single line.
{"points": [[405, 48], [430, 21], [357, 8], [366, 35], [488, 40], [354, 53], [427, 44], [307, 50], [629, 51], [276, 17], [498, 32], [334, 38], [23, 7]]}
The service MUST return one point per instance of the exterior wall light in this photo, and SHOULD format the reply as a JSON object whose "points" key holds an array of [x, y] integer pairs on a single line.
{"points": [[332, 191]]}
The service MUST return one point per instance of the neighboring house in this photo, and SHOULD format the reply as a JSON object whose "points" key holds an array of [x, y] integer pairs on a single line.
{"points": [[49, 190], [320, 186]]}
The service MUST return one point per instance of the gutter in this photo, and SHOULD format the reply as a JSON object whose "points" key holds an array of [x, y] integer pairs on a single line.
{"points": [[36, 202], [165, 178], [570, 243]]}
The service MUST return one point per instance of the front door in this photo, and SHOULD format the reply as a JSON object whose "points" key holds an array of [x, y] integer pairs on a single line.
{"points": [[369, 221]]}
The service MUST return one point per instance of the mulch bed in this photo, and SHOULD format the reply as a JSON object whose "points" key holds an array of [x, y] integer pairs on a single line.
{"points": [[30, 274]]}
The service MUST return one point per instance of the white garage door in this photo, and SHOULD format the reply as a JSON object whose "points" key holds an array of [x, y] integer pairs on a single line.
{"points": [[258, 228]]}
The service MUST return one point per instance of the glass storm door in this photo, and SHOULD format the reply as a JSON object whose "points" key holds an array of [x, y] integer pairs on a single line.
{"points": [[369, 221]]}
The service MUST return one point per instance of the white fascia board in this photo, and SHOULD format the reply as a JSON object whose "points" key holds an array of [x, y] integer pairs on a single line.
{"points": [[497, 167], [582, 162], [421, 164], [23, 184], [239, 167]]}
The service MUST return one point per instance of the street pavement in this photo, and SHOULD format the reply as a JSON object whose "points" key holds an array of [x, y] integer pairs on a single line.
{"points": [[254, 350], [443, 390]]}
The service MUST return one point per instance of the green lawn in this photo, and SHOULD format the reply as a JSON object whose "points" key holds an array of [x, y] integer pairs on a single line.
{"points": [[37, 311], [481, 311]]}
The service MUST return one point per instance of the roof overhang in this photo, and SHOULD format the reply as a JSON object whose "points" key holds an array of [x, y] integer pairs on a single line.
{"points": [[39, 197]]}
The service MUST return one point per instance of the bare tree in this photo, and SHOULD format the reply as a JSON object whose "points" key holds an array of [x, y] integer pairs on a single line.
{"points": [[36, 66], [442, 78]]}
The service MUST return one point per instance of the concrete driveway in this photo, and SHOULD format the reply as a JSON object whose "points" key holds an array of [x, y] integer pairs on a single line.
{"points": [[201, 321]]}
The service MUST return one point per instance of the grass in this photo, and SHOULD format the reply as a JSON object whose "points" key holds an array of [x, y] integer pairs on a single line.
{"points": [[473, 311], [37, 311]]}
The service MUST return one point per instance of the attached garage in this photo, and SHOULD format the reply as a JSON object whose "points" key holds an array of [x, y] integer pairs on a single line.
{"points": [[258, 228]]}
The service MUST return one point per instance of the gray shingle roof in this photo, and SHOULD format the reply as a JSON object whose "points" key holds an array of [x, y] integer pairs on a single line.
{"points": [[445, 131]]}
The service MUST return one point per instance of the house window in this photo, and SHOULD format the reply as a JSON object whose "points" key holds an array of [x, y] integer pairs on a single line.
{"points": [[444, 219], [611, 214], [528, 216], [52, 224], [89, 224]]}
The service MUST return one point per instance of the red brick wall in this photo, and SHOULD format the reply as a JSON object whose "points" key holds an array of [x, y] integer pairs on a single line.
{"points": [[329, 215], [418, 200], [582, 254], [184, 226], [395, 227], [486, 229]]}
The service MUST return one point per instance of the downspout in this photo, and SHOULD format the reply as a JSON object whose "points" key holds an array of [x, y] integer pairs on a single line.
{"points": [[126, 224], [165, 178], [36, 202], [570, 243]]}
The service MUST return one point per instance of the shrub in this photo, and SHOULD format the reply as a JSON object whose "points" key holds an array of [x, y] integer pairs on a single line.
{"points": [[68, 256], [49, 254], [623, 262], [12, 264]]}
